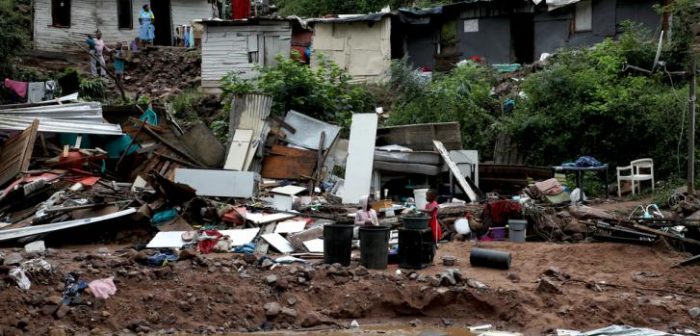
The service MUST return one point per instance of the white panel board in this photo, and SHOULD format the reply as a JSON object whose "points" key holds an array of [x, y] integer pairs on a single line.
{"points": [[288, 190], [238, 151], [262, 218], [314, 245], [290, 226], [278, 242], [308, 131], [219, 183], [358, 171]]}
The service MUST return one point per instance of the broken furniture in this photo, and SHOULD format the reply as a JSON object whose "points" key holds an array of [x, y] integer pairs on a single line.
{"points": [[602, 169], [637, 172]]}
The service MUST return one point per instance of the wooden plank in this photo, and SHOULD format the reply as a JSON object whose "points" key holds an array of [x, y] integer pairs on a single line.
{"points": [[16, 153], [358, 170], [287, 167], [455, 171], [237, 153], [293, 152]]}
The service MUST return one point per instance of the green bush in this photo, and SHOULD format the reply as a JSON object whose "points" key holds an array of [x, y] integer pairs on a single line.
{"points": [[583, 104], [93, 88], [15, 20], [462, 95], [184, 104], [324, 92]]}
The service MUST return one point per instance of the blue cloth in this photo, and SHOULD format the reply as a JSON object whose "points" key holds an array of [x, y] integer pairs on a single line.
{"points": [[161, 258], [73, 288], [164, 216], [119, 62], [147, 32], [583, 162], [91, 43], [247, 249]]}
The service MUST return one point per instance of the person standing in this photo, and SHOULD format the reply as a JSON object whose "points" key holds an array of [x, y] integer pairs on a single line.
{"points": [[432, 209], [119, 61], [146, 30], [98, 57]]}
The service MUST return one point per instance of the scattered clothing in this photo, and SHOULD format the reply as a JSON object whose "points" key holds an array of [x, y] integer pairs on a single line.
{"points": [[161, 258], [497, 213], [247, 249], [208, 240], [49, 90], [102, 288], [73, 288], [19, 88], [35, 92], [549, 187]]}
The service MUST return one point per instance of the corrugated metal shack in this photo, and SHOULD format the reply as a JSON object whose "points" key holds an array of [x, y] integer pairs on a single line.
{"points": [[60, 24], [360, 44], [239, 45]]}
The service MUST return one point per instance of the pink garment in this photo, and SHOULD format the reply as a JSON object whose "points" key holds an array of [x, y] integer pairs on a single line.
{"points": [[20, 88], [103, 288], [100, 46], [366, 214]]}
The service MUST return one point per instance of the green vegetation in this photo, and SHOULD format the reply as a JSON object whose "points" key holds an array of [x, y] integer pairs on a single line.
{"points": [[15, 22], [324, 92]]}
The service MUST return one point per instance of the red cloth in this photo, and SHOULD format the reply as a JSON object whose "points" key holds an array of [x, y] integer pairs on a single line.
{"points": [[499, 211], [434, 224], [241, 9], [207, 245], [20, 88]]}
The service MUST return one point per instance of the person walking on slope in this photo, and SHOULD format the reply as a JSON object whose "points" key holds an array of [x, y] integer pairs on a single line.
{"points": [[97, 47]]}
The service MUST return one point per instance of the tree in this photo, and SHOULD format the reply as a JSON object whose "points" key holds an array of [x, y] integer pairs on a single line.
{"points": [[15, 20], [317, 8]]}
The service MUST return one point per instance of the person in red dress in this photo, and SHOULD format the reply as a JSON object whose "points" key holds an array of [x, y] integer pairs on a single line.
{"points": [[432, 209]]}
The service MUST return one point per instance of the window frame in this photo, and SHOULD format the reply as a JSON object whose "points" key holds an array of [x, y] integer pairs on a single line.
{"points": [[130, 12], [54, 20], [579, 8]]}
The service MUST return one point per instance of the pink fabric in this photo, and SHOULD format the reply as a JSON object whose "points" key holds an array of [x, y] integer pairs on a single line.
{"points": [[365, 214], [102, 288], [20, 88]]}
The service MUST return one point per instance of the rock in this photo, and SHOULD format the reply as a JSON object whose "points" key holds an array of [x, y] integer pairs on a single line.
{"points": [[694, 312], [514, 277], [292, 301], [53, 300], [446, 322], [272, 309], [56, 331], [282, 284], [476, 284], [447, 279], [552, 271], [271, 279], [289, 312], [547, 286], [311, 319], [456, 274], [61, 312], [35, 247], [415, 323], [267, 263], [435, 281], [413, 276], [422, 278], [13, 259], [361, 271], [354, 325], [301, 280]]}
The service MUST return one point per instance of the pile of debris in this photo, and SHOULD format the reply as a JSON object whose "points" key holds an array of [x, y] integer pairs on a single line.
{"points": [[160, 72]]}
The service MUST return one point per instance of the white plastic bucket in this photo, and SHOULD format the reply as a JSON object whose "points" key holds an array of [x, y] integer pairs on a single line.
{"points": [[420, 197]]}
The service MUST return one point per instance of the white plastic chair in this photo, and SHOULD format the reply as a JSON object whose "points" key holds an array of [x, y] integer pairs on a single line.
{"points": [[638, 171]]}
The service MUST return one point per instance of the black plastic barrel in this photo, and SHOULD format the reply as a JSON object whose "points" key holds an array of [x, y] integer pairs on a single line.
{"points": [[489, 258], [374, 247], [337, 243]]}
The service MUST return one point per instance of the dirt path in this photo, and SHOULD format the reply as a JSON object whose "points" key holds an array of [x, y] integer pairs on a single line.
{"points": [[224, 294]]}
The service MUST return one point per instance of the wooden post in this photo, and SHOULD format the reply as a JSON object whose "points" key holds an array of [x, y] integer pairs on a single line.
{"points": [[691, 125]]}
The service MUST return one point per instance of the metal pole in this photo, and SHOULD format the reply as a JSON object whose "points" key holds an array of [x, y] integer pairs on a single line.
{"points": [[691, 126]]}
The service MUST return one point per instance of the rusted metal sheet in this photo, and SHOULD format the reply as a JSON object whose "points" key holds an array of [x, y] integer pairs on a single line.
{"points": [[288, 163], [419, 137], [16, 153]]}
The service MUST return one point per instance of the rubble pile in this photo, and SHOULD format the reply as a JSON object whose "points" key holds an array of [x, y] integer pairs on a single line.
{"points": [[160, 72]]}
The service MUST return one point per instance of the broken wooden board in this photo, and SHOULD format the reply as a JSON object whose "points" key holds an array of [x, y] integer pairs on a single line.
{"points": [[278, 242], [290, 226], [288, 163], [358, 170], [238, 151], [16, 153], [455, 171]]}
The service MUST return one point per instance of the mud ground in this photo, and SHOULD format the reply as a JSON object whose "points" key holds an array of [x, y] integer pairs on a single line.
{"points": [[572, 286]]}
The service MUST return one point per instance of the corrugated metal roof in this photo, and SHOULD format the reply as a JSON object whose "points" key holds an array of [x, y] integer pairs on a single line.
{"points": [[83, 118]]}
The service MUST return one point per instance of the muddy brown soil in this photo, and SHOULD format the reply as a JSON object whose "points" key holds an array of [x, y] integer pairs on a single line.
{"points": [[584, 286]]}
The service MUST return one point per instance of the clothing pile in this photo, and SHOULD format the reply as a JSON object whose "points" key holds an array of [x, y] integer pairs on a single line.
{"points": [[32, 92]]}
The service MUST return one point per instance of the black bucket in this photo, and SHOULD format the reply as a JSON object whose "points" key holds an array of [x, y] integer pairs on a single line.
{"points": [[489, 258], [337, 243], [374, 246]]}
